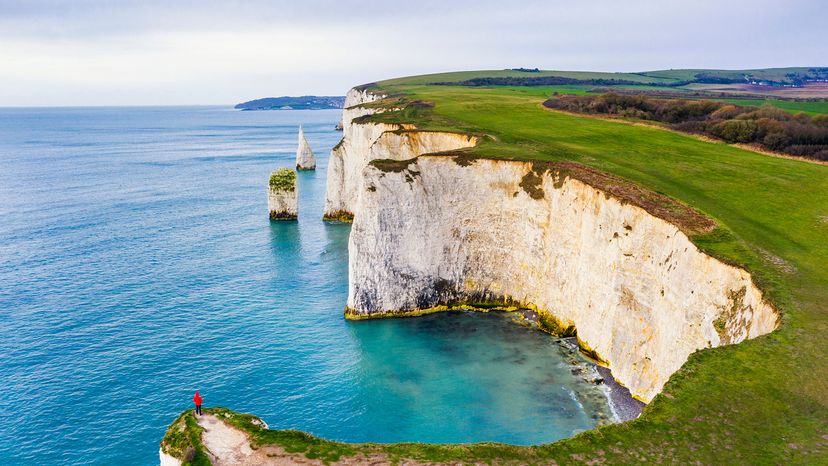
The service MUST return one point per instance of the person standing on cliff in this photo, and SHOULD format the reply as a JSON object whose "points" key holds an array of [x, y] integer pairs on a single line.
{"points": [[197, 400]]}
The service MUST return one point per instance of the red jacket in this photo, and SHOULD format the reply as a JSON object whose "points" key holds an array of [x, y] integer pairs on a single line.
{"points": [[197, 399]]}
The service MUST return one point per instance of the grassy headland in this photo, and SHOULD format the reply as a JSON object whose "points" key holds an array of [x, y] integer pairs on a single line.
{"points": [[763, 401]]}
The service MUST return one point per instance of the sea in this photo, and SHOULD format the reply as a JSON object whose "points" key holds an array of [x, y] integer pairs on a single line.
{"points": [[138, 265]]}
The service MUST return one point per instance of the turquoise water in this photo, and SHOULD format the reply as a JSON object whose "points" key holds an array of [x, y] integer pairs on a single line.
{"points": [[137, 264]]}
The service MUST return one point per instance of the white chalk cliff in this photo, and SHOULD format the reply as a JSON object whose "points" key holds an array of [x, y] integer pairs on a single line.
{"points": [[166, 459], [441, 230], [364, 142], [305, 160]]}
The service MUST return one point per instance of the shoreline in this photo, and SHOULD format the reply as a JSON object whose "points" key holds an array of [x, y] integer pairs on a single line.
{"points": [[623, 404]]}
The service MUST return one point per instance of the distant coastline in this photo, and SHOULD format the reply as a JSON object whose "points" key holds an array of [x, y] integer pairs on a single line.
{"points": [[305, 102]]}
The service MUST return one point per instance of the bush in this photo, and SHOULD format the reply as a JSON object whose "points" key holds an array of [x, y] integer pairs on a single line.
{"points": [[776, 140], [769, 126], [736, 130], [821, 155], [283, 179], [820, 120]]}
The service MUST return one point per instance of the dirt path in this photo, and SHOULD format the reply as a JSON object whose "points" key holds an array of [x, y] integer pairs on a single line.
{"points": [[228, 446]]}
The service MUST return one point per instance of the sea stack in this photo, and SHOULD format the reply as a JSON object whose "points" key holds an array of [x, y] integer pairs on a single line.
{"points": [[305, 159], [281, 195]]}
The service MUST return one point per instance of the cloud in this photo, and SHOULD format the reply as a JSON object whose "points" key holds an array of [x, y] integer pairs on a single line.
{"points": [[155, 52]]}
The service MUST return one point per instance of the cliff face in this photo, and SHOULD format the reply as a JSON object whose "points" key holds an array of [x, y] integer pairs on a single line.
{"points": [[282, 196], [441, 230], [167, 459], [363, 142], [282, 204]]}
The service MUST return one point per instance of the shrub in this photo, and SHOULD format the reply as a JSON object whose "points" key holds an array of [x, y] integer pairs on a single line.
{"points": [[283, 179], [820, 120], [776, 140], [821, 155], [769, 126], [736, 130]]}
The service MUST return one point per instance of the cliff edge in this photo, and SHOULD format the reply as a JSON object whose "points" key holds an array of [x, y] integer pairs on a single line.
{"points": [[432, 232]]}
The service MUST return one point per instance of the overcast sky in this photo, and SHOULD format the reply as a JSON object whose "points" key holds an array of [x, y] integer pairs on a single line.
{"points": [[109, 52]]}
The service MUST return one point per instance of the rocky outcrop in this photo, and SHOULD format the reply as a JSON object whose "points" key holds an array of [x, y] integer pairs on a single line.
{"points": [[282, 196], [363, 142], [167, 460], [440, 230], [305, 160]]}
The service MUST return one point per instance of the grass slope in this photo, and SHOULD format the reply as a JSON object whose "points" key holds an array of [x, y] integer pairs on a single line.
{"points": [[769, 74], [811, 108], [758, 402], [764, 401], [458, 76]]}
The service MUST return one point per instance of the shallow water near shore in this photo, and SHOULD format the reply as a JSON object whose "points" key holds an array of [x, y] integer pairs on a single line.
{"points": [[138, 264]]}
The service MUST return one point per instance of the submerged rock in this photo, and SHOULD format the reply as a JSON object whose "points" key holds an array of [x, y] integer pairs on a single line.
{"points": [[305, 160], [281, 196]]}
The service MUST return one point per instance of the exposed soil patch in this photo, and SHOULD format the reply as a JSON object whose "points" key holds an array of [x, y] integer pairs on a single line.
{"points": [[683, 216], [228, 446], [779, 262]]}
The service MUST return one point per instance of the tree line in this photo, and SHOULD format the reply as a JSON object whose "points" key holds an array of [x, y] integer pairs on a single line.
{"points": [[769, 127]]}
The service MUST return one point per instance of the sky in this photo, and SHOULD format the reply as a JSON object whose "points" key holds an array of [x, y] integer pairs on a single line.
{"points": [[168, 52]]}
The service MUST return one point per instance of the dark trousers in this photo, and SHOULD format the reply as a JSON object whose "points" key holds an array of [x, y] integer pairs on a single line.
{"points": [[198, 410]]}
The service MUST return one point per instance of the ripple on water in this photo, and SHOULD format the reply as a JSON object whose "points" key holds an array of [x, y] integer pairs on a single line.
{"points": [[137, 265]]}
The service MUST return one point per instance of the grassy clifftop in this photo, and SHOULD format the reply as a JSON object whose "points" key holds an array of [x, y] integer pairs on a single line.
{"points": [[764, 401]]}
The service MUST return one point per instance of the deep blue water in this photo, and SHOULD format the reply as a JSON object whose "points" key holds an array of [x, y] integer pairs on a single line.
{"points": [[137, 264]]}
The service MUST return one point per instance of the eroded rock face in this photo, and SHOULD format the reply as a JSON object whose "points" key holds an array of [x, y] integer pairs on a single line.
{"points": [[364, 142], [282, 204], [167, 460], [639, 293], [282, 195]]}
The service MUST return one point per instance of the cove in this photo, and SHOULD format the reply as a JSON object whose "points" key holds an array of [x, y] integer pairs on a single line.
{"points": [[138, 265]]}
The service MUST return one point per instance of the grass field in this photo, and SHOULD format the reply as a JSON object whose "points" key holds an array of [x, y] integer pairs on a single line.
{"points": [[644, 77], [770, 74], [811, 108], [464, 75], [764, 401]]}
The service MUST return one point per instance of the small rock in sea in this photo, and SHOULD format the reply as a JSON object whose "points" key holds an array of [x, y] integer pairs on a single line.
{"points": [[282, 196], [530, 315], [305, 160]]}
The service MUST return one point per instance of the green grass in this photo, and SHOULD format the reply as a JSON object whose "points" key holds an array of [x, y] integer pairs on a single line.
{"points": [[811, 108], [644, 77], [771, 74], [763, 401], [465, 75], [757, 402], [183, 440], [283, 179]]}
